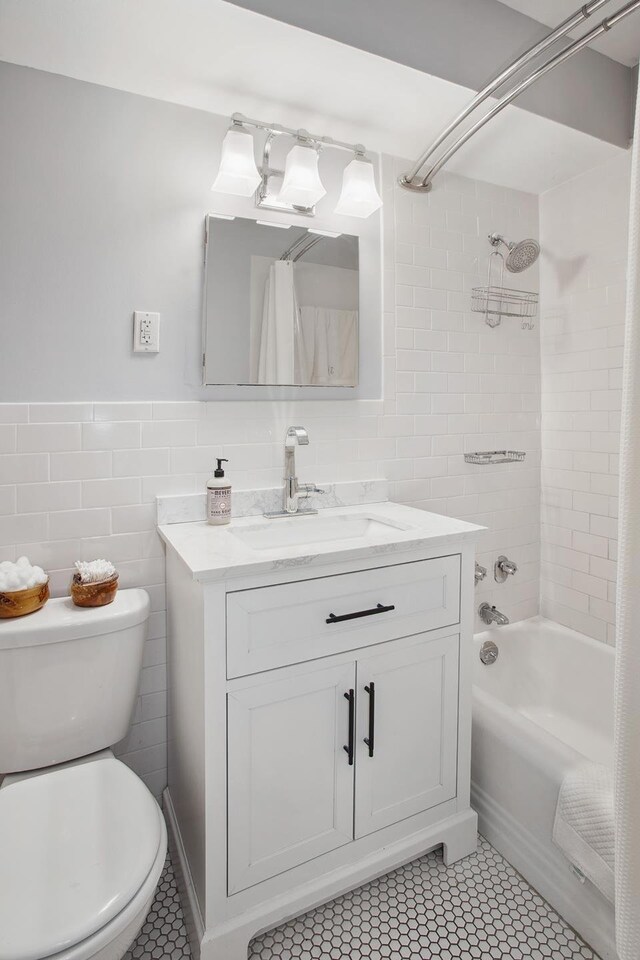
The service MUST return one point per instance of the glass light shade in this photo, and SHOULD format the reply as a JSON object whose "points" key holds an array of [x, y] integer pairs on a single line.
{"points": [[302, 185], [238, 173], [359, 197]]}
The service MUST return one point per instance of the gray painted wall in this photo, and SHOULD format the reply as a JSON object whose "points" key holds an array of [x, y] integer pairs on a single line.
{"points": [[103, 196], [102, 203], [468, 42]]}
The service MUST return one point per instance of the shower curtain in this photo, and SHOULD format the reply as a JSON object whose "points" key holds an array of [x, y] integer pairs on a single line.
{"points": [[627, 691], [280, 333]]}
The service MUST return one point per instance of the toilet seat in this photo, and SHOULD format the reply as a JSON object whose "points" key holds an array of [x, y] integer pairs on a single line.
{"points": [[78, 846]]}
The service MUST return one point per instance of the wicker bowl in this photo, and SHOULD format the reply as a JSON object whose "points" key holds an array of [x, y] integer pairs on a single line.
{"points": [[93, 594], [18, 603]]}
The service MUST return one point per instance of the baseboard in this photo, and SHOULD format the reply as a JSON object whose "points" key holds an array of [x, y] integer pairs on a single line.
{"points": [[581, 905], [190, 905]]}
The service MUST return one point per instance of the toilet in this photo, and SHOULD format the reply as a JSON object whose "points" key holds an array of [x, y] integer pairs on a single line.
{"points": [[82, 840]]}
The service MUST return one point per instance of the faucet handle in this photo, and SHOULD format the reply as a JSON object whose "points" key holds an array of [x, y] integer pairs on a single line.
{"points": [[480, 572], [306, 489], [504, 568]]}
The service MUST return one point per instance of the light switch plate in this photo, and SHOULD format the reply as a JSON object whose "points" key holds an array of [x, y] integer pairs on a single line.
{"points": [[146, 332]]}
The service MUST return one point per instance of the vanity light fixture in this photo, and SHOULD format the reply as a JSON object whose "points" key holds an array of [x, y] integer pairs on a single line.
{"points": [[302, 186], [298, 187], [359, 197], [238, 173]]}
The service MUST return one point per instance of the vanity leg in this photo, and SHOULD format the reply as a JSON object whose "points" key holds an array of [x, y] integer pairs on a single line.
{"points": [[227, 946], [462, 840]]}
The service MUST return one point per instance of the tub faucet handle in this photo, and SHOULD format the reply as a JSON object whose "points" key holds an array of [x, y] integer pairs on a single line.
{"points": [[504, 568], [480, 573]]}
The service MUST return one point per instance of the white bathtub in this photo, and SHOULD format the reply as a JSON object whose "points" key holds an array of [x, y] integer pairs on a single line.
{"points": [[544, 705]]}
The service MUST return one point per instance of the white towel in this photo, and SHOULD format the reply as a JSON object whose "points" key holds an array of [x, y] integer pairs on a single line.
{"points": [[584, 825], [330, 345]]}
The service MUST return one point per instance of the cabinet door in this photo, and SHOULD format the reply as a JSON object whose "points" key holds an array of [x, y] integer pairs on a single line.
{"points": [[290, 783], [413, 722]]}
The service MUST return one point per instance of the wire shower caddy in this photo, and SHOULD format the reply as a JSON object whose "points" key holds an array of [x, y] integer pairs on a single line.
{"points": [[496, 301]]}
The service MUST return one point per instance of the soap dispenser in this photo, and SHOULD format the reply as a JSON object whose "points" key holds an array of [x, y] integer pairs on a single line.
{"points": [[218, 496]]}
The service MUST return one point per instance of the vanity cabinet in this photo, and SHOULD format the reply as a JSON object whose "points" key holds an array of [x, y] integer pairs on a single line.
{"points": [[320, 757], [319, 730]]}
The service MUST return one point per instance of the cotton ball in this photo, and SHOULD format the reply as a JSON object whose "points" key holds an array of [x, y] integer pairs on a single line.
{"points": [[20, 575]]}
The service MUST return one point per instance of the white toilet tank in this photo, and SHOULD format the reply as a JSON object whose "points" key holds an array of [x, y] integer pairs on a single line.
{"points": [[68, 679]]}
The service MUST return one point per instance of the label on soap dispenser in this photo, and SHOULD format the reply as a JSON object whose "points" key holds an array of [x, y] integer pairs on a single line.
{"points": [[219, 504]]}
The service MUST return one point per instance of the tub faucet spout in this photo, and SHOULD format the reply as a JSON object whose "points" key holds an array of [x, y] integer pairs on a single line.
{"points": [[489, 614]]}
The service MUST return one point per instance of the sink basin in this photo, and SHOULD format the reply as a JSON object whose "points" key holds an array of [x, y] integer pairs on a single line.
{"points": [[296, 530]]}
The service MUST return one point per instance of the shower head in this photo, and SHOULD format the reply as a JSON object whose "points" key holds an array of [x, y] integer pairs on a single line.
{"points": [[522, 253]]}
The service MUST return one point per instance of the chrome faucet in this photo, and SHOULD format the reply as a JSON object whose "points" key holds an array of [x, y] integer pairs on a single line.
{"points": [[293, 489], [489, 614]]}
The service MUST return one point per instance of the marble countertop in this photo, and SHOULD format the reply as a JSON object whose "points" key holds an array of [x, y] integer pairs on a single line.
{"points": [[219, 552]]}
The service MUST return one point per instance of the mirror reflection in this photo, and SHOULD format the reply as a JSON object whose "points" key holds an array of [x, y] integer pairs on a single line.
{"points": [[281, 305]]}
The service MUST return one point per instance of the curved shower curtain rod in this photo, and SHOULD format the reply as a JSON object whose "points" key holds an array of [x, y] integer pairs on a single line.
{"points": [[410, 179], [301, 246]]}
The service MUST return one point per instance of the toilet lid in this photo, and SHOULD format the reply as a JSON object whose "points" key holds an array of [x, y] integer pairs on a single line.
{"points": [[76, 846]]}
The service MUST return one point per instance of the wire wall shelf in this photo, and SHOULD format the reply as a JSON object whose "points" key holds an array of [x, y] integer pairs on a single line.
{"points": [[496, 301], [495, 456]]}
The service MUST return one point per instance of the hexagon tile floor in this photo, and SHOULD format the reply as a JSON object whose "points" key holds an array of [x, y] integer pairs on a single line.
{"points": [[163, 935], [478, 909]]}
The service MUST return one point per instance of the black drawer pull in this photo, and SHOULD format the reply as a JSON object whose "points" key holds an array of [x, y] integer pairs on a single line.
{"points": [[352, 724], [371, 690], [361, 613]]}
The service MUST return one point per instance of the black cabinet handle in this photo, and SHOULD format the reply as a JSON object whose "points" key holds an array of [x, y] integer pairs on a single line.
{"points": [[371, 690], [361, 613], [352, 723]]}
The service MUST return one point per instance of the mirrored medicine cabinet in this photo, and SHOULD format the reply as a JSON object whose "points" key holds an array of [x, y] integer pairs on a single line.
{"points": [[281, 306]]}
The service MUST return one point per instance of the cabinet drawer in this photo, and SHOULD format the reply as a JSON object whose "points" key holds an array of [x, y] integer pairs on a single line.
{"points": [[273, 626]]}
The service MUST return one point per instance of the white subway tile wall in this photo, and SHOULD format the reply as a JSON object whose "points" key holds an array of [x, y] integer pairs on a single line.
{"points": [[78, 481], [452, 383], [583, 269]]}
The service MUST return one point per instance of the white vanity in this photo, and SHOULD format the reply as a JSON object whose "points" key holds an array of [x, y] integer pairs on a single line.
{"points": [[320, 707]]}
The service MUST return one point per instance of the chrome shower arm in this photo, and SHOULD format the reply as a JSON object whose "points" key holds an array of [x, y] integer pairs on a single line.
{"points": [[606, 25], [560, 31]]}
